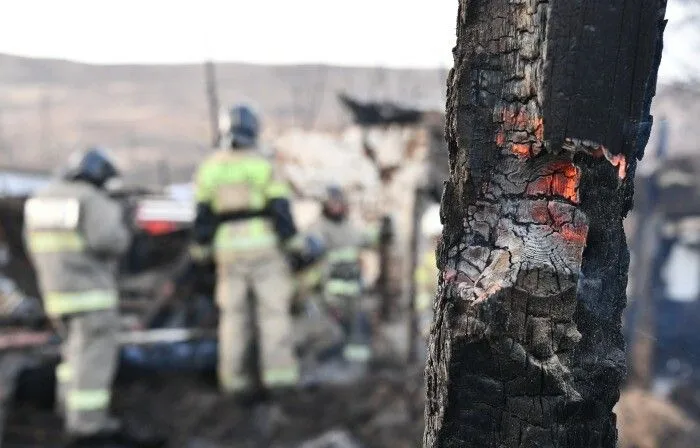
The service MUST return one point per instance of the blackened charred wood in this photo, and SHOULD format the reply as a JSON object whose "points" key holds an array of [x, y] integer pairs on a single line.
{"points": [[547, 114], [375, 113]]}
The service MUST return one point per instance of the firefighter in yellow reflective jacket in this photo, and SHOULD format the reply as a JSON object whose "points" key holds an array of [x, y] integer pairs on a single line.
{"points": [[426, 275], [75, 235], [341, 279], [244, 222]]}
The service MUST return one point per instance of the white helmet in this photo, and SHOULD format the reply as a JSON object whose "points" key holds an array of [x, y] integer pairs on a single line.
{"points": [[430, 224]]}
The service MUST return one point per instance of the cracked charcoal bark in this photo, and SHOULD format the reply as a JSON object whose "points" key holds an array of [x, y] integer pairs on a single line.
{"points": [[548, 111]]}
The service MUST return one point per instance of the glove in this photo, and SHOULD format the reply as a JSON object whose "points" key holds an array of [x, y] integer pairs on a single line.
{"points": [[295, 244], [386, 231], [296, 307], [129, 216], [296, 262], [200, 254]]}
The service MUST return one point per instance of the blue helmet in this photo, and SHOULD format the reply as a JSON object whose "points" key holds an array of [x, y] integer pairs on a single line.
{"points": [[93, 165], [315, 248], [244, 127], [335, 203]]}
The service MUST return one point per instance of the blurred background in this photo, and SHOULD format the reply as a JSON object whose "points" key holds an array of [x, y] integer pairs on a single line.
{"points": [[348, 94]]}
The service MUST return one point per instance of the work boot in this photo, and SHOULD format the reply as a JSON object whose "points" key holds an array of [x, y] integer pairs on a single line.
{"points": [[252, 397], [268, 418], [117, 439]]}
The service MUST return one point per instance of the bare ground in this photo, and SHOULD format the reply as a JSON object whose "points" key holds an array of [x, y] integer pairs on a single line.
{"points": [[384, 410]]}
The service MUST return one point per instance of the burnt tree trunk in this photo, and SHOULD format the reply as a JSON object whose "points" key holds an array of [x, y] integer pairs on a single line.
{"points": [[548, 111]]}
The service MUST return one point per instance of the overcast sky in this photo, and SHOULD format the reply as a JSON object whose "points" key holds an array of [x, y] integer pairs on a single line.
{"points": [[413, 33], [393, 33]]}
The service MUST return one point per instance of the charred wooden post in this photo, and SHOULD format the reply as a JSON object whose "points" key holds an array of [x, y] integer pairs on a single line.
{"points": [[548, 111], [379, 113], [388, 281], [648, 244], [212, 102]]}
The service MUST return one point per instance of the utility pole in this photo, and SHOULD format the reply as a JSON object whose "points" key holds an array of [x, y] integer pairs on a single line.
{"points": [[45, 127], [213, 102], [379, 87], [298, 74], [319, 96], [163, 173], [5, 150]]}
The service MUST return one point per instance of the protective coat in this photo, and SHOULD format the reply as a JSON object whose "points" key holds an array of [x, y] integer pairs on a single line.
{"points": [[75, 235], [341, 280], [242, 222]]}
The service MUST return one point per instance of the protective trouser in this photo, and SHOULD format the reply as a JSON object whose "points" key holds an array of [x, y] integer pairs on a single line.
{"points": [[342, 299], [85, 376], [267, 276], [316, 332]]}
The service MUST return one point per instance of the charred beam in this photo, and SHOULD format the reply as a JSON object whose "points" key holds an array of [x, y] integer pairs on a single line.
{"points": [[547, 114], [379, 113]]}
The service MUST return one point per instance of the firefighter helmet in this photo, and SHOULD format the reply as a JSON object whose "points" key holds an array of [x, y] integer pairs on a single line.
{"points": [[335, 203], [243, 126], [94, 165]]}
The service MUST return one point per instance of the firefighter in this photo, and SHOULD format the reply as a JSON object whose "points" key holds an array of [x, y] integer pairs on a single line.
{"points": [[317, 336], [341, 279], [75, 235], [426, 275], [244, 224]]}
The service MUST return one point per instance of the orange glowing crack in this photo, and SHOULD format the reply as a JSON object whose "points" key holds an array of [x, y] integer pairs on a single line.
{"points": [[562, 179], [539, 129], [519, 120], [617, 160], [558, 217], [620, 162], [500, 138], [565, 181], [521, 149], [575, 233]]}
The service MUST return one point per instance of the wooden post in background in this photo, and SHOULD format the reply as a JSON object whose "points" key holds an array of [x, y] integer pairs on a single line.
{"points": [[212, 102], [647, 242]]}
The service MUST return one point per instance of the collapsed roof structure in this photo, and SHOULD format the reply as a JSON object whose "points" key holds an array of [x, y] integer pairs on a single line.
{"points": [[387, 114]]}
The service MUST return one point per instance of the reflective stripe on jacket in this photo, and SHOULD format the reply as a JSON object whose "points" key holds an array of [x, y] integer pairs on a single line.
{"points": [[239, 182], [426, 276], [76, 265], [343, 241]]}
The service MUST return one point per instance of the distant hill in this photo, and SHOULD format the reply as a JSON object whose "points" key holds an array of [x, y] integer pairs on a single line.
{"points": [[153, 113]]}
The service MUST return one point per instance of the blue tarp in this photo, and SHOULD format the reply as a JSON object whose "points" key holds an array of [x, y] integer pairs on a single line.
{"points": [[180, 356]]}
